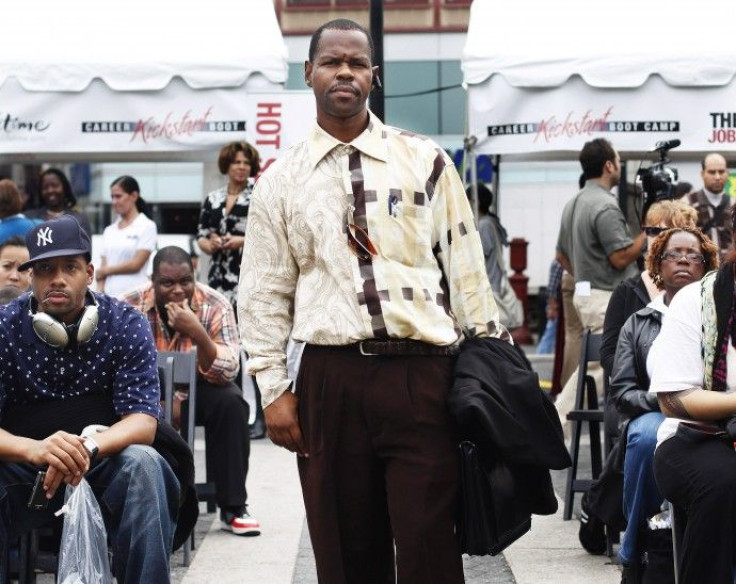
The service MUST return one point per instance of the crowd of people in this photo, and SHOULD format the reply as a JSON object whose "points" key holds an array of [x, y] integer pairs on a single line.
{"points": [[664, 309], [80, 397], [359, 244]]}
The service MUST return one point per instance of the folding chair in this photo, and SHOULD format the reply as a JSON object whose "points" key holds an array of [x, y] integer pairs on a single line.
{"points": [[181, 368], [592, 414]]}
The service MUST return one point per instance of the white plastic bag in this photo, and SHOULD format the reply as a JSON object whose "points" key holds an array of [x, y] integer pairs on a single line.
{"points": [[83, 556]]}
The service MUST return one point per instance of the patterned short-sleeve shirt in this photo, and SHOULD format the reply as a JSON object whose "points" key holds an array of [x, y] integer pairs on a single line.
{"points": [[119, 358]]}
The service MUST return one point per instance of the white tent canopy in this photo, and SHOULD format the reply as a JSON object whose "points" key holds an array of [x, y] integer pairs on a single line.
{"points": [[544, 77], [135, 77]]}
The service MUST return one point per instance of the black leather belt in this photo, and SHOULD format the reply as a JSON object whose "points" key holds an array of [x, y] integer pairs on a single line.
{"points": [[404, 347]]}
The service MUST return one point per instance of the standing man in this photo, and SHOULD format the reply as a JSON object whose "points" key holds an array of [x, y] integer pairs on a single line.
{"points": [[362, 244], [72, 358], [184, 314], [594, 245], [712, 203]]}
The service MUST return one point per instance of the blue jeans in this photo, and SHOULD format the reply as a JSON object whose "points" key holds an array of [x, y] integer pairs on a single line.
{"points": [[642, 498], [546, 343], [138, 494]]}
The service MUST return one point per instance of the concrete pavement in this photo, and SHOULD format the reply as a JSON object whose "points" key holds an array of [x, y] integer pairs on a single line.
{"points": [[549, 554]]}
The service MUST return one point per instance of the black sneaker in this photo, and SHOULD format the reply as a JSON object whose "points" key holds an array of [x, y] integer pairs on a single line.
{"points": [[592, 534]]}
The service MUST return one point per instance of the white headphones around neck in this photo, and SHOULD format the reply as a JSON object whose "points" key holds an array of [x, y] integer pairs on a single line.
{"points": [[57, 334]]}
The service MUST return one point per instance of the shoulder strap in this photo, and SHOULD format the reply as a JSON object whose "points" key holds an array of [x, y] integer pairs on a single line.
{"points": [[709, 327]]}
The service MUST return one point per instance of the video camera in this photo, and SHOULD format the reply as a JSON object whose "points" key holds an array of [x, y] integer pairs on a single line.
{"points": [[659, 181]]}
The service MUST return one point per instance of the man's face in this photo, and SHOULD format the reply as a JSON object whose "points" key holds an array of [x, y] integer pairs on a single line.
{"points": [[60, 284], [615, 170], [341, 74], [715, 173], [173, 283]]}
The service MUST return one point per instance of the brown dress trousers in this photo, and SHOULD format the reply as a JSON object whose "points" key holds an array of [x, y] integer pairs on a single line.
{"points": [[382, 468]]}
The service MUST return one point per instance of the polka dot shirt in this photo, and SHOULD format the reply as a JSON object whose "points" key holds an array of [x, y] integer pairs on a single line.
{"points": [[119, 359]]}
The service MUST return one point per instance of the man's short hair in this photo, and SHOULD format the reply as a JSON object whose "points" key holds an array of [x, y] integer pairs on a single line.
{"points": [[594, 155], [171, 254], [485, 196], [707, 156], [337, 24]]}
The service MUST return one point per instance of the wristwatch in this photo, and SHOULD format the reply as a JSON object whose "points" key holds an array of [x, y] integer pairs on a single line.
{"points": [[91, 447]]}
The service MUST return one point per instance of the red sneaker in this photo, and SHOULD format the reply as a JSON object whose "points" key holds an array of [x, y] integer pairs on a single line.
{"points": [[242, 524]]}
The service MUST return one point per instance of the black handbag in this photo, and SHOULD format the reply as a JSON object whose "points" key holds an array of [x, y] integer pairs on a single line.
{"points": [[485, 526]]}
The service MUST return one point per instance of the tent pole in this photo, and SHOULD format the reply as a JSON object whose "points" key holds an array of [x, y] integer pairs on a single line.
{"points": [[496, 181], [377, 101], [471, 160]]}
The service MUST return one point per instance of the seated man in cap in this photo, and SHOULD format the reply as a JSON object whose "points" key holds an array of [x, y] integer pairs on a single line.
{"points": [[72, 358], [184, 313]]}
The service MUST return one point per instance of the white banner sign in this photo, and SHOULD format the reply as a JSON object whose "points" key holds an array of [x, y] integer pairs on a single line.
{"points": [[175, 119], [511, 120]]}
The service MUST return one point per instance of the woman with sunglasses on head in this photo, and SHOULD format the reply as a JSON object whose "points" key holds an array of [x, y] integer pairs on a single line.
{"points": [[635, 293], [694, 378], [677, 257], [58, 199]]}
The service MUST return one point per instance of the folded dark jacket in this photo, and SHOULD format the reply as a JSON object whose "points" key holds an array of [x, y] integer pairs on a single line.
{"points": [[498, 405]]}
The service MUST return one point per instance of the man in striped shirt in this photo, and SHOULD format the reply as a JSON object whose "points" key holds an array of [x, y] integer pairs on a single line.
{"points": [[184, 313], [361, 244]]}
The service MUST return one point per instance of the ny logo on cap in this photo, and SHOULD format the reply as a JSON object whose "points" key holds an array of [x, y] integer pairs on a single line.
{"points": [[44, 236]]}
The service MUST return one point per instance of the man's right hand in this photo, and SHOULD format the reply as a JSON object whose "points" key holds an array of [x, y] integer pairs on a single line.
{"points": [[282, 421], [66, 458]]}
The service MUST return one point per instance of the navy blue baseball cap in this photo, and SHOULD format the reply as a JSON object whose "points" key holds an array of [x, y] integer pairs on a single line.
{"points": [[58, 237]]}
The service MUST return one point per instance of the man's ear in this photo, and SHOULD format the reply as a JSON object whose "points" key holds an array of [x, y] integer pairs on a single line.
{"points": [[308, 73], [376, 80]]}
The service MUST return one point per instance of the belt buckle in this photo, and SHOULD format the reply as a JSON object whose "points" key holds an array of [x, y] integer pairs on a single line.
{"points": [[363, 352]]}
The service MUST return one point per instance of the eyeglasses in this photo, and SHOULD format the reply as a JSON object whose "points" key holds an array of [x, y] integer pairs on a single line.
{"points": [[676, 256], [358, 241], [653, 231]]}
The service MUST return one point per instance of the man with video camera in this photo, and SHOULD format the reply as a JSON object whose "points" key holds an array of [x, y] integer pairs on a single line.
{"points": [[595, 246]]}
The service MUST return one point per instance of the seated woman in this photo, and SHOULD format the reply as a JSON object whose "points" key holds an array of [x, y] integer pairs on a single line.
{"points": [[628, 297], [635, 293], [694, 377], [677, 257], [14, 253]]}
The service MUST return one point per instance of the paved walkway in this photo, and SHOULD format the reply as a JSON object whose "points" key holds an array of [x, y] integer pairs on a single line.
{"points": [[549, 554]]}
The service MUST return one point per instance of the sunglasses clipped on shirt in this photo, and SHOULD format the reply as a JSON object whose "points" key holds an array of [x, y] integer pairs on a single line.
{"points": [[358, 241], [676, 256]]}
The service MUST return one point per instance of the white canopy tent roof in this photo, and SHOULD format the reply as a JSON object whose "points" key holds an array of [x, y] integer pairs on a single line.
{"points": [[135, 78], [544, 77]]}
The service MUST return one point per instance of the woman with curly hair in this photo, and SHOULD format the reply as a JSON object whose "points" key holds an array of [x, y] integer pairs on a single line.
{"points": [[677, 257], [694, 377], [224, 215], [221, 233]]}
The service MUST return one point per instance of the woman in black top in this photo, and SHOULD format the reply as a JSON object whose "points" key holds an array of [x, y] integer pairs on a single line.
{"points": [[224, 215]]}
